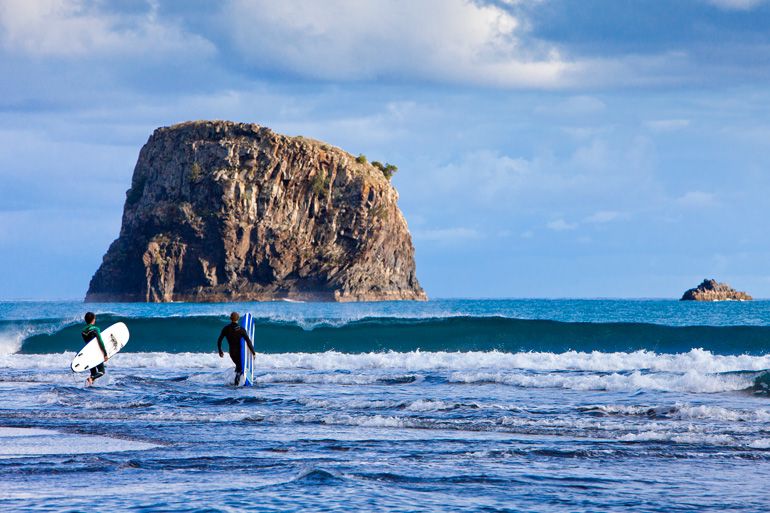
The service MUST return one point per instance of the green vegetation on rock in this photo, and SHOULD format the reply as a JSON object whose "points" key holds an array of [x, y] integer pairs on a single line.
{"points": [[380, 212], [387, 169], [195, 172], [320, 184]]}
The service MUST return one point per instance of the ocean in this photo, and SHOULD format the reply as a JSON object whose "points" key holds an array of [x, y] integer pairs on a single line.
{"points": [[446, 405]]}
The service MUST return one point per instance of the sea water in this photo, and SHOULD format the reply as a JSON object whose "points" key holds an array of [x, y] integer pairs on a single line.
{"points": [[447, 405]]}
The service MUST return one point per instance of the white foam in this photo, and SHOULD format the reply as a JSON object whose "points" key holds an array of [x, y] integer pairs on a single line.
{"points": [[326, 379], [429, 405], [762, 443], [159, 360], [697, 359], [10, 432], [10, 342], [23, 442], [352, 404], [334, 378], [681, 411], [373, 421], [694, 371], [680, 438], [703, 361], [690, 381]]}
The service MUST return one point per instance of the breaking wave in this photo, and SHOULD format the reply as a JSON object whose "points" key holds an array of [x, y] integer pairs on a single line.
{"points": [[696, 371], [376, 334]]}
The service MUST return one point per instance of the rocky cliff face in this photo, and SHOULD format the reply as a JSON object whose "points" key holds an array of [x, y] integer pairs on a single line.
{"points": [[710, 290], [222, 211]]}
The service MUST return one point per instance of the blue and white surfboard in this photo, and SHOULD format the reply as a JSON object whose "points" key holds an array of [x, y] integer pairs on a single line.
{"points": [[247, 323]]}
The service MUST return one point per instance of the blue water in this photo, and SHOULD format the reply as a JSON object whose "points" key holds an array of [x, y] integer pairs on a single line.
{"points": [[451, 405]]}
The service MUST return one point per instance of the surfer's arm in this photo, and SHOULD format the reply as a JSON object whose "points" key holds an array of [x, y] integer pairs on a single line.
{"points": [[219, 341], [101, 342]]}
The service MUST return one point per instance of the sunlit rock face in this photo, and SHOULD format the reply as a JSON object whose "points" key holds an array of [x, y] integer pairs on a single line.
{"points": [[710, 290], [223, 211]]}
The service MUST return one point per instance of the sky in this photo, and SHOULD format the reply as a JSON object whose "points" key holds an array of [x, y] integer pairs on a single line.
{"points": [[546, 148]]}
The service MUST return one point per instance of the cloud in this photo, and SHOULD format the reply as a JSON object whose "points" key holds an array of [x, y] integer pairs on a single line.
{"points": [[435, 40], [447, 235], [468, 42], [736, 5], [482, 176], [77, 28], [584, 132], [581, 105], [560, 225], [603, 216], [697, 199], [390, 122], [667, 125], [497, 44], [609, 175]]}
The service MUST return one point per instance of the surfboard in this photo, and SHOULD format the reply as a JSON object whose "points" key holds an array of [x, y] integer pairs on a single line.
{"points": [[115, 338], [247, 323]]}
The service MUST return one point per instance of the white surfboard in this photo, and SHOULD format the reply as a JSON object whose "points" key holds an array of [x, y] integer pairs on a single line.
{"points": [[247, 323], [115, 338]]}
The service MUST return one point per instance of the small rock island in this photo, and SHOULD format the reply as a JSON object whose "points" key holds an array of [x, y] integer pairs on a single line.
{"points": [[224, 211], [710, 290]]}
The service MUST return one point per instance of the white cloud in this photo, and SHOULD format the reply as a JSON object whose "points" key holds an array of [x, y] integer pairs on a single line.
{"points": [[560, 225], [392, 121], [447, 234], [667, 125], [581, 105], [437, 41], [484, 176], [697, 199], [443, 40], [434, 41], [600, 172], [603, 216], [736, 5], [594, 155], [585, 132], [75, 28]]}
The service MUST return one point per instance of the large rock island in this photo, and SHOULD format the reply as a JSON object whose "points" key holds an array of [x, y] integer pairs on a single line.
{"points": [[710, 290], [223, 211]]}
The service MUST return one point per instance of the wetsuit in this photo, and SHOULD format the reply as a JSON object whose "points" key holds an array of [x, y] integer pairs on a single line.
{"points": [[89, 333], [233, 332]]}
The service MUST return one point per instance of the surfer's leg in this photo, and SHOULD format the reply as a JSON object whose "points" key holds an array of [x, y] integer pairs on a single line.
{"points": [[98, 371], [236, 358], [93, 376]]}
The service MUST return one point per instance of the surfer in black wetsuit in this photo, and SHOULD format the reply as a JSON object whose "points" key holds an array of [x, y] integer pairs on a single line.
{"points": [[89, 333], [233, 332]]}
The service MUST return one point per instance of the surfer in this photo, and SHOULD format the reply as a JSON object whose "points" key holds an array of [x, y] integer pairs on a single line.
{"points": [[233, 332], [89, 333]]}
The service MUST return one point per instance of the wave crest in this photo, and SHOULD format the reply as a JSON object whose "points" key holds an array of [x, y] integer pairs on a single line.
{"points": [[378, 334]]}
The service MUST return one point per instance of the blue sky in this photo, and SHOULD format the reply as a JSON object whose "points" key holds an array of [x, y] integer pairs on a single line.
{"points": [[546, 148]]}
